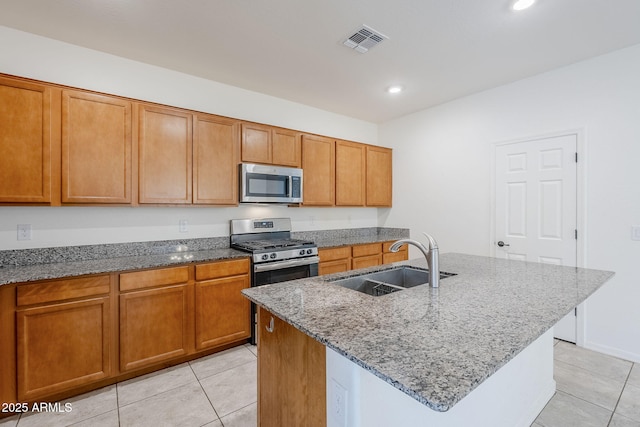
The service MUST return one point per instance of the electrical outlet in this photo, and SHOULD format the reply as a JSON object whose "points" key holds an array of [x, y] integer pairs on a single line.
{"points": [[183, 226], [24, 231], [635, 232], [339, 404]]}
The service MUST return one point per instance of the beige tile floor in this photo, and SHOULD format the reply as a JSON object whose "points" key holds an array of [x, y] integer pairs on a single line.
{"points": [[220, 391], [592, 390]]}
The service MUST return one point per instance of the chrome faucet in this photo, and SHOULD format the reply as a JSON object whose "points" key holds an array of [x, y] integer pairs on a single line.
{"points": [[430, 254]]}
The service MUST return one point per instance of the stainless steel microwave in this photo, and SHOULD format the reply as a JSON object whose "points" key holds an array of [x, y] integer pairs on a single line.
{"points": [[270, 184]]}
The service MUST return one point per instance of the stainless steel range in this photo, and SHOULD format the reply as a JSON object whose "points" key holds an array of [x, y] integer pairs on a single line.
{"points": [[276, 257]]}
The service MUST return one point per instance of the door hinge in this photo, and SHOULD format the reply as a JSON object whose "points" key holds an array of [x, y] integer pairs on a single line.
{"points": [[576, 157], [575, 234], [575, 311]]}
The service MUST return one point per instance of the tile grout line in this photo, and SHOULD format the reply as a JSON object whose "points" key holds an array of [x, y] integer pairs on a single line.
{"points": [[205, 393], [620, 397]]}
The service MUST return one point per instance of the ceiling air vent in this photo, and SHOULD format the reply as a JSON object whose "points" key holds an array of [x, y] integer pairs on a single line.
{"points": [[364, 39]]}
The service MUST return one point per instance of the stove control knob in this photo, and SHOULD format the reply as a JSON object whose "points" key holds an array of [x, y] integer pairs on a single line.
{"points": [[265, 257], [309, 251], [273, 255], [302, 252]]}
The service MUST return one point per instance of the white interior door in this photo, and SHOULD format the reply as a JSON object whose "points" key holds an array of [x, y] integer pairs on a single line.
{"points": [[536, 196]]}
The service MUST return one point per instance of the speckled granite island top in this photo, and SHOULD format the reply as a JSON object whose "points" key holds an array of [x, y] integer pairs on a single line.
{"points": [[436, 345]]}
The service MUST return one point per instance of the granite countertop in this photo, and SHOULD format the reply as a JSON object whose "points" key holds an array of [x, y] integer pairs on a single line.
{"points": [[27, 273], [29, 265], [436, 345]]}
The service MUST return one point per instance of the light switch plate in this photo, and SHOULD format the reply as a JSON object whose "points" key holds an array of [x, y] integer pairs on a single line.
{"points": [[635, 232]]}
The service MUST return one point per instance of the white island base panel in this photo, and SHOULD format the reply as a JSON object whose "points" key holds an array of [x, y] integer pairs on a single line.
{"points": [[511, 397]]}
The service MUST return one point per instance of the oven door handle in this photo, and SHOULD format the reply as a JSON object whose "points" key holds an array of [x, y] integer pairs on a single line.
{"points": [[278, 265]]}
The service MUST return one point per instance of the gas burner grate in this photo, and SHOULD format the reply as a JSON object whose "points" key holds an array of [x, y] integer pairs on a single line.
{"points": [[256, 245]]}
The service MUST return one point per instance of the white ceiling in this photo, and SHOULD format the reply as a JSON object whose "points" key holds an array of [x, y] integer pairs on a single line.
{"points": [[439, 50]]}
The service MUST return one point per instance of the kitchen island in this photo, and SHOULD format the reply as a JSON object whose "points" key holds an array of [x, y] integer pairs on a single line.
{"points": [[477, 348]]}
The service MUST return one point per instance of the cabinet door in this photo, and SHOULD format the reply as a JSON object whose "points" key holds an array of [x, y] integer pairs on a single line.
{"points": [[350, 173], [379, 176], [164, 155], [216, 149], [62, 346], [222, 314], [25, 142], [286, 148], [153, 326], [318, 164], [291, 376], [256, 143], [96, 148]]}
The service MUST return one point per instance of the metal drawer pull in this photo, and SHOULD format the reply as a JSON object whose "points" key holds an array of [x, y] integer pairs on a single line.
{"points": [[270, 327]]}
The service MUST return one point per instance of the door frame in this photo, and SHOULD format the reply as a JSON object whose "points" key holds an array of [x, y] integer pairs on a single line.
{"points": [[581, 206]]}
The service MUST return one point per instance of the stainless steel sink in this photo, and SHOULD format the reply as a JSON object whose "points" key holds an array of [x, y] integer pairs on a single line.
{"points": [[388, 281]]}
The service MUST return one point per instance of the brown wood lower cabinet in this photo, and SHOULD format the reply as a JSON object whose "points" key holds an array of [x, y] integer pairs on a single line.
{"points": [[67, 336], [63, 341], [222, 314], [334, 260], [154, 326], [345, 258], [291, 375]]}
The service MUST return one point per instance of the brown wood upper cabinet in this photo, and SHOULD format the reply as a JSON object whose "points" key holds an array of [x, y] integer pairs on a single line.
{"points": [[350, 173], [25, 142], [216, 153], [178, 167], [270, 145], [164, 155], [379, 176], [319, 166], [96, 148]]}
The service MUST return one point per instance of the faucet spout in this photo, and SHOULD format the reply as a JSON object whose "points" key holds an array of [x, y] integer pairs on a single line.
{"points": [[430, 254]]}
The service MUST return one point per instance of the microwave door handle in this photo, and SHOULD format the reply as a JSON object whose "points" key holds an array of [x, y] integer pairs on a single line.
{"points": [[289, 191]]}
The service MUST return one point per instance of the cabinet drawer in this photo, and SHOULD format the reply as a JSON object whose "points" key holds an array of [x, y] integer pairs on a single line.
{"points": [[334, 253], [214, 270], [337, 266], [366, 261], [59, 290], [387, 245], [150, 278], [368, 249], [390, 257]]}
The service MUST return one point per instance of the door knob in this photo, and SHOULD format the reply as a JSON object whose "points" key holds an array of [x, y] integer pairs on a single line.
{"points": [[501, 244]]}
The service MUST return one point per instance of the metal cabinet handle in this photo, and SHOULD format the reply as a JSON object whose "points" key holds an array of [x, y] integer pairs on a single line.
{"points": [[270, 327], [501, 244]]}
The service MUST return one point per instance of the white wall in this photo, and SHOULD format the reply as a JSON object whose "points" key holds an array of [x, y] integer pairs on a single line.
{"points": [[31, 56], [442, 174]]}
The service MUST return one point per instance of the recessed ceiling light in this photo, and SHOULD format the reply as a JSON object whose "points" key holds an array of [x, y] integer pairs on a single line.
{"points": [[395, 89], [522, 4]]}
